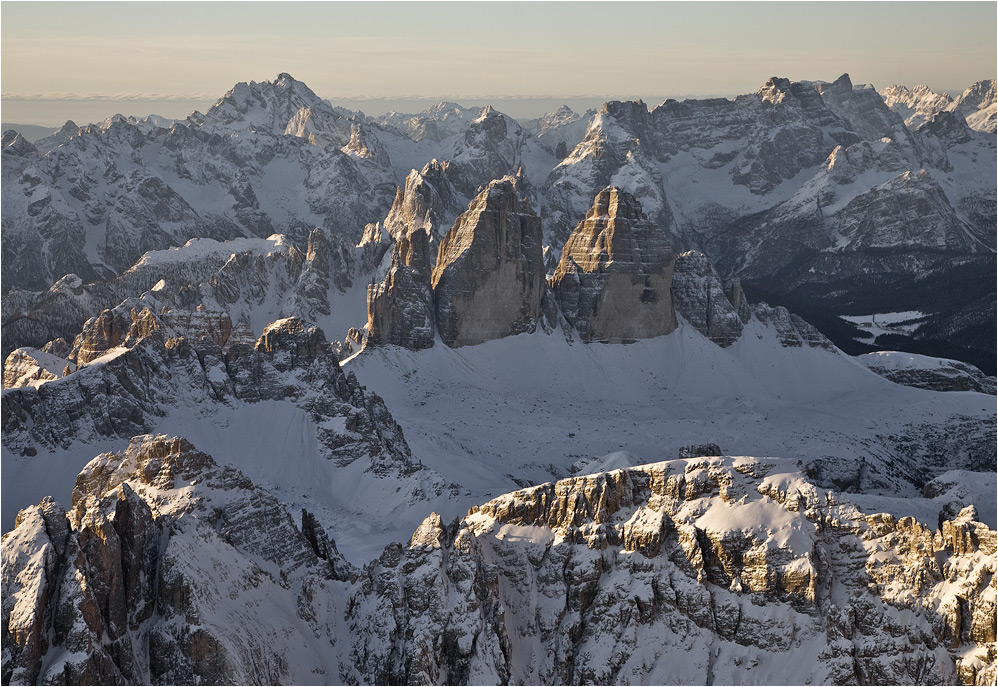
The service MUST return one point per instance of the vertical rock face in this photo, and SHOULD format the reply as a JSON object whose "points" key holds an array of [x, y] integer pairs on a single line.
{"points": [[736, 296], [613, 281], [400, 309], [700, 297], [489, 279]]}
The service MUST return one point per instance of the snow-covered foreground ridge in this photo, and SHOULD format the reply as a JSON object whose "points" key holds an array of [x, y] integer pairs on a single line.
{"points": [[170, 568]]}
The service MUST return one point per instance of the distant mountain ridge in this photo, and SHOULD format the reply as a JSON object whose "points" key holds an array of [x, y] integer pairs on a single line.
{"points": [[755, 183], [918, 105]]}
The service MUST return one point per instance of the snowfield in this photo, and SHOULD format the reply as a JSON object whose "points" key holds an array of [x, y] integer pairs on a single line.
{"points": [[526, 409]]}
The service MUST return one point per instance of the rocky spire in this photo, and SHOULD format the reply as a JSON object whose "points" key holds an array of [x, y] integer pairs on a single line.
{"points": [[400, 309], [612, 283], [489, 279]]}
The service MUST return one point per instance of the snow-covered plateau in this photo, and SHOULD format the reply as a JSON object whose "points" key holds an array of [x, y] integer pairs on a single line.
{"points": [[292, 395]]}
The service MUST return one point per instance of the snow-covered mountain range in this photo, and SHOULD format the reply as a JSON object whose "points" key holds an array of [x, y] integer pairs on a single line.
{"points": [[920, 104], [296, 395], [793, 189]]}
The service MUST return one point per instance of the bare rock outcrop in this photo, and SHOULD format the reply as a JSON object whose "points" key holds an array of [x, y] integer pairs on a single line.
{"points": [[171, 568], [290, 362], [30, 366], [613, 281], [489, 278], [400, 309], [429, 201], [701, 298], [732, 563], [165, 570], [791, 330], [925, 372]]}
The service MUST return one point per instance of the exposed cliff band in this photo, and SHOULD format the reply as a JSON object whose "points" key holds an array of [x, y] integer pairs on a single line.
{"points": [[613, 283]]}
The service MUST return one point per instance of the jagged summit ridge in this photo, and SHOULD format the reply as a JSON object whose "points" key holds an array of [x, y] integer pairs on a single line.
{"points": [[740, 554], [269, 104], [920, 104], [710, 171]]}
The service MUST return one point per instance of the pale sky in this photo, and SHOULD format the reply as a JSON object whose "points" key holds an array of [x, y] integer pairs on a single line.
{"points": [[199, 50]]}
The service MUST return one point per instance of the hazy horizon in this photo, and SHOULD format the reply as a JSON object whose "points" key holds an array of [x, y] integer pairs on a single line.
{"points": [[107, 57], [53, 113]]}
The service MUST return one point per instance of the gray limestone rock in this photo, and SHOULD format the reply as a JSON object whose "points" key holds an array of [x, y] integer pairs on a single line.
{"points": [[602, 574], [290, 362], [736, 296], [172, 568], [429, 201], [400, 309], [924, 372], [701, 299], [489, 278], [791, 330], [862, 108], [137, 571], [613, 280]]}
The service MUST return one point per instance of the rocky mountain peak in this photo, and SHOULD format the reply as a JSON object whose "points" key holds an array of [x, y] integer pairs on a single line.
{"points": [[490, 128], [775, 91], [922, 91], [978, 96], [16, 144], [843, 83], [619, 232], [268, 105], [613, 280], [920, 104], [625, 110], [429, 201], [487, 112], [489, 278], [863, 108], [121, 591], [445, 106], [949, 127], [400, 308], [978, 105], [900, 94]]}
